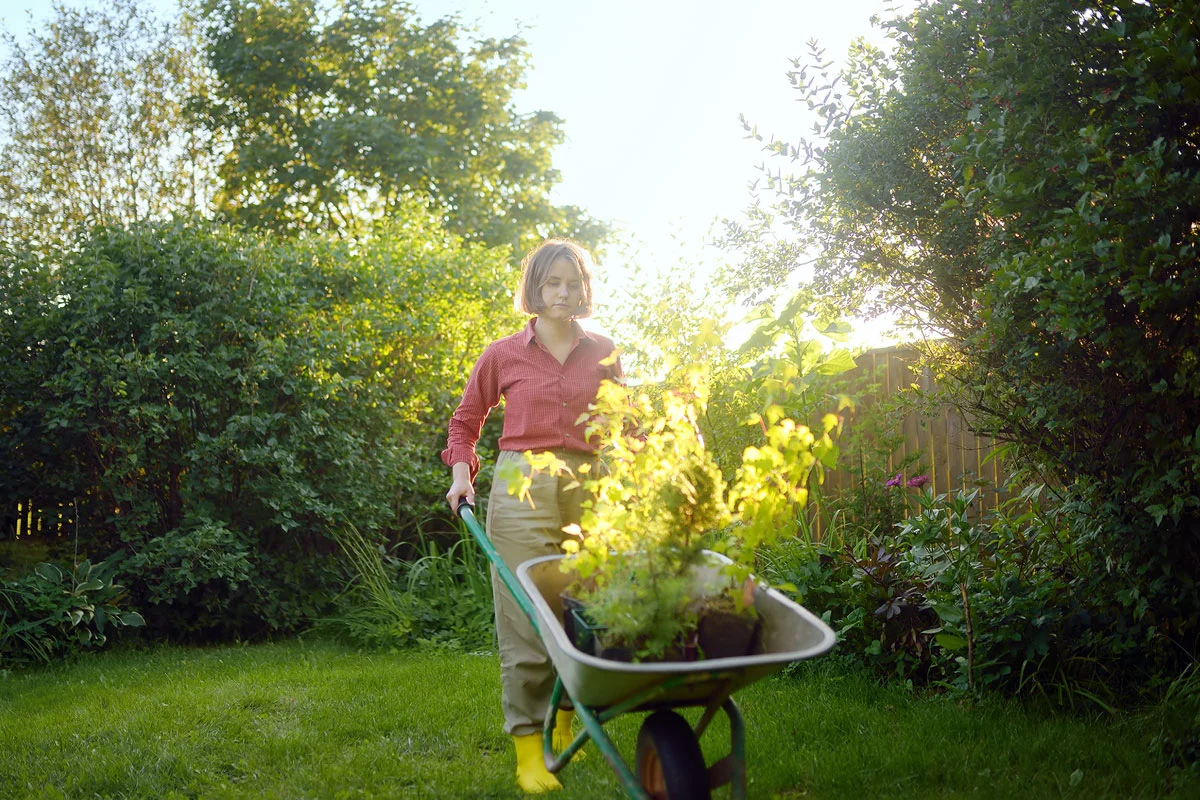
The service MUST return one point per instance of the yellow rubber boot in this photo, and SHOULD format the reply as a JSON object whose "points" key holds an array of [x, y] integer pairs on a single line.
{"points": [[562, 732], [532, 775]]}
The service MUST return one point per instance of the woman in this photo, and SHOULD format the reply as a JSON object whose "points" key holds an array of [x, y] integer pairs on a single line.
{"points": [[547, 374]]}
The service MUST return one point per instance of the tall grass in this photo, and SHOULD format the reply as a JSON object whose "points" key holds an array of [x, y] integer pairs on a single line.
{"points": [[439, 594]]}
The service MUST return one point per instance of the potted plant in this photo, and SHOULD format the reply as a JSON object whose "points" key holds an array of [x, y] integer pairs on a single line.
{"points": [[659, 505]]}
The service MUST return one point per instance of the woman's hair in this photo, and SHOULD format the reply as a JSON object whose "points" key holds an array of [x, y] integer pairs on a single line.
{"points": [[535, 268]]}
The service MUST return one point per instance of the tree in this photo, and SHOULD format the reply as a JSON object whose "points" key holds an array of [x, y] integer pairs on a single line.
{"points": [[92, 124], [338, 120], [1024, 177]]}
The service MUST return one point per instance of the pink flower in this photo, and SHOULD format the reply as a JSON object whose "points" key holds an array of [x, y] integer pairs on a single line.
{"points": [[918, 482], [896, 481]]}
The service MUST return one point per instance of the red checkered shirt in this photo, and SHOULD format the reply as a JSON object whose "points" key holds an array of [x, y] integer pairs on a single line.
{"points": [[543, 398]]}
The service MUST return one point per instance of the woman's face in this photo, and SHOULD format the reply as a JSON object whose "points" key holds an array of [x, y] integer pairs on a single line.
{"points": [[562, 293]]}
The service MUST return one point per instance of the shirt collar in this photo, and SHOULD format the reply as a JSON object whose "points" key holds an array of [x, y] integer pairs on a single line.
{"points": [[529, 337]]}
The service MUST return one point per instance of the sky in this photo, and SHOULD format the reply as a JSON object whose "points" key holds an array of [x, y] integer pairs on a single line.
{"points": [[650, 92]]}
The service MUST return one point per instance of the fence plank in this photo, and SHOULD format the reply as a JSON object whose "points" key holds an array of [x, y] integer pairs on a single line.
{"points": [[951, 454], [30, 518]]}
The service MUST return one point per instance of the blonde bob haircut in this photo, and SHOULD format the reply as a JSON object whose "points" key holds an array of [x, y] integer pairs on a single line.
{"points": [[535, 269]]}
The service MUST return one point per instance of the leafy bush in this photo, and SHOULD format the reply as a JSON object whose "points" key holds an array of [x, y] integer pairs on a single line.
{"points": [[52, 612], [995, 588], [966, 602], [174, 564], [215, 401], [191, 577]]}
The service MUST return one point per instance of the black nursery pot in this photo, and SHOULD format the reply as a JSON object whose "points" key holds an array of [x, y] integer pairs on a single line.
{"points": [[726, 634], [581, 630]]}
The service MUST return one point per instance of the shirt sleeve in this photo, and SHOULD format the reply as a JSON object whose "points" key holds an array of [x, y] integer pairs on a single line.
{"points": [[481, 395]]}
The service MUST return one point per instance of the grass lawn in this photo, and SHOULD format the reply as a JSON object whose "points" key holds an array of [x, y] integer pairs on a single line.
{"points": [[307, 719]]}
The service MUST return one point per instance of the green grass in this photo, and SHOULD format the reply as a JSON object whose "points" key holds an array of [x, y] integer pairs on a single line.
{"points": [[316, 720]]}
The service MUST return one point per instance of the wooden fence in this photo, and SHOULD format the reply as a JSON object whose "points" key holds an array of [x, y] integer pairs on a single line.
{"points": [[27, 518], [949, 453]]}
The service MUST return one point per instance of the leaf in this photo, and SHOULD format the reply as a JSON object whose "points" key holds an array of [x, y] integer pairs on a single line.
{"points": [[838, 331], [950, 641], [837, 362], [49, 572]]}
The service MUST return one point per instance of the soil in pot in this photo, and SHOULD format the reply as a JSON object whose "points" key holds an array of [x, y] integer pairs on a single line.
{"points": [[685, 649], [727, 632]]}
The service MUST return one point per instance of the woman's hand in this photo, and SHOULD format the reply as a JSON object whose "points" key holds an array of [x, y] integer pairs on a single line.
{"points": [[461, 488]]}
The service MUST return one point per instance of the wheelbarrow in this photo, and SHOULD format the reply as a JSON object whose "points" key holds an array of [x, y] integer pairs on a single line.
{"points": [[668, 763]]}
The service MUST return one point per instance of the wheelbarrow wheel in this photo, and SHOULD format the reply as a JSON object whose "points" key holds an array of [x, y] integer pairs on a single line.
{"points": [[670, 765]]}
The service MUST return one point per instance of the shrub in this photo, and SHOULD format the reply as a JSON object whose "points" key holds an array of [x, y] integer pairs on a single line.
{"points": [[1006, 601], [53, 612], [215, 401]]}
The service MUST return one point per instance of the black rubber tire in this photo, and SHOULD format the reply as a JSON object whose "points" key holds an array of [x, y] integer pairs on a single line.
{"points": [[670, 765]]}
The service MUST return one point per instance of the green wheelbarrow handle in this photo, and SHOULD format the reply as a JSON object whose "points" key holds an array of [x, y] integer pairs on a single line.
{"points": [[466, 513]]}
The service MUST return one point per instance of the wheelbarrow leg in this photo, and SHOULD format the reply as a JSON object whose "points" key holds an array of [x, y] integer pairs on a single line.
{"points": [[593, 730], [732, 768], [555, 763]]}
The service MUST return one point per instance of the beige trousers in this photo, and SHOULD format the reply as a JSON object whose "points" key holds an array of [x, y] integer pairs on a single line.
{"points": [[520, 532]]}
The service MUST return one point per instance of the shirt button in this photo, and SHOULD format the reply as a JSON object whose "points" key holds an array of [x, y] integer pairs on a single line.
{"points": [[564, 405]]}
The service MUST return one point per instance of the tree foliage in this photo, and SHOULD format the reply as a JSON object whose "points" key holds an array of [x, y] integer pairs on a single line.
{"points": [[214, 403], [1025, 178], [340, 117], [92, 124]]}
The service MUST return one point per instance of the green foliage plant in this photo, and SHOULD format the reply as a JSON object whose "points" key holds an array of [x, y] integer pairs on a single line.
{"points": [[371, 612], [433, 594], [1178, 738], [1006, 594], [660, 500], [970, 602], [52, 612], [192, 571]]}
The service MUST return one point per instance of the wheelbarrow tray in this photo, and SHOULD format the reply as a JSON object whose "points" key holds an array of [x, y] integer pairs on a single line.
{"points": [[789, 632]]}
